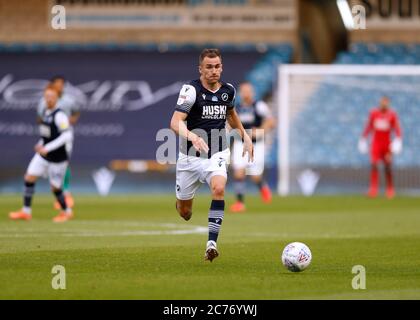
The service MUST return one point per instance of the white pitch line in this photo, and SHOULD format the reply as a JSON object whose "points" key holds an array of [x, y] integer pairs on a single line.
{"points": [[307, 236], [90, 233], [197, 230], [326, 235]]}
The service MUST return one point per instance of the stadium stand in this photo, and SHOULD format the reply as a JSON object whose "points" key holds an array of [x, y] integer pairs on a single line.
{"points": [[263, 77], [264, 74], [255, 62], [379, 53], [336, 143], [275, 52]]}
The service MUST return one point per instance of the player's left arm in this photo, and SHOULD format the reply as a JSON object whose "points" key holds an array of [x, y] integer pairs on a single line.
{"points": [[40, 110], [363, 140], [235, 123], [74, 118], [63, 124], [396, 145], [268, 122], [397, 127], [75, 112]]}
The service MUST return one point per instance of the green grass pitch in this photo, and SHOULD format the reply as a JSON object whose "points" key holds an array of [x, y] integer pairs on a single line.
{"points": [[137, 247]]}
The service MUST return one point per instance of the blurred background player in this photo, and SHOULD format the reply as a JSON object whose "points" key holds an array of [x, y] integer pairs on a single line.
{"points": [[71, 108], [254, 115], [51, 157], [205, 104], [382, 121]]}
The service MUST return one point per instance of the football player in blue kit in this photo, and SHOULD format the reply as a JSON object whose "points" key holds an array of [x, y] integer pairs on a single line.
{"points": [[51, 158], [203, 107], [256, 116]]}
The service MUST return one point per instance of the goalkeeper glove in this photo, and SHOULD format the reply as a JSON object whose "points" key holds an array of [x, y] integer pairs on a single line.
{"points": [[362, 146], [396, 146]]}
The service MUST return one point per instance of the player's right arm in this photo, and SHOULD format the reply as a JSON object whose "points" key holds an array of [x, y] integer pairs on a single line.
{"points": [[396, 126], [40, 110], [62, 122], [186, 100], [363, 144], [369, 126]]}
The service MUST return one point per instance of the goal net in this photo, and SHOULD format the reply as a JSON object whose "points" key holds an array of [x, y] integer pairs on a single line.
{"points": [[322, 111]]}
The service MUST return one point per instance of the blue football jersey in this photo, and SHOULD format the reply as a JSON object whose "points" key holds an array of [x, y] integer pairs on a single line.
{"points": [[207, 113]]}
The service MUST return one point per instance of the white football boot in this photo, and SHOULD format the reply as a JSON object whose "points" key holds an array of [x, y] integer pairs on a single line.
{"points": [[211, 251]]}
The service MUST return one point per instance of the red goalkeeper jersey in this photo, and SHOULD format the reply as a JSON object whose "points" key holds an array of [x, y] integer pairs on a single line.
{"points": [[382, 123]]}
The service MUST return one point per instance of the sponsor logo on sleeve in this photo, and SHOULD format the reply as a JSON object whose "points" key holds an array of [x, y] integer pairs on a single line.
{"points": [[181, 100]]}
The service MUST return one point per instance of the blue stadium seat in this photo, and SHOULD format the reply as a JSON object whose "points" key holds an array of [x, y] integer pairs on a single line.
{"points": [[337, 144], [264, 73], [52, 47], [15, 47], [279, 52]]}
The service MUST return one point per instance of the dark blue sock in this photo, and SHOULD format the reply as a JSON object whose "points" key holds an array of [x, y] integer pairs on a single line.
{"points": [[60, 198], [28, 194], [216, 214]]}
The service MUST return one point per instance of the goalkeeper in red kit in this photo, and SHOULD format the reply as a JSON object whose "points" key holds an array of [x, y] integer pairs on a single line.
{"points": [[382, 122]]}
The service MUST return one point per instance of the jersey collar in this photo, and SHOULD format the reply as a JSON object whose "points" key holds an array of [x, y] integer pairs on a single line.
{"points": [[221, 85]]}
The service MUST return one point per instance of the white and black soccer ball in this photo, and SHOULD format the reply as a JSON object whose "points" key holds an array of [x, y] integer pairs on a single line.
{"points": [[296, 256]]}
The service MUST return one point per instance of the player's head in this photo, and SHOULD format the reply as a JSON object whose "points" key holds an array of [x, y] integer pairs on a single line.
{"points": [[58, 82], [384, 102], [50, 96], [246, 92], [210, 65]]}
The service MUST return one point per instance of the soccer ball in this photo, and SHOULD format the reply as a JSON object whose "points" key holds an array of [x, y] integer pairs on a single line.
{"points": [[296, 256]]}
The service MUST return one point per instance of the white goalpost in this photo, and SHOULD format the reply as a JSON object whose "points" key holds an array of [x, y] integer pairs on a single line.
{"points": [[322, 110]]}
